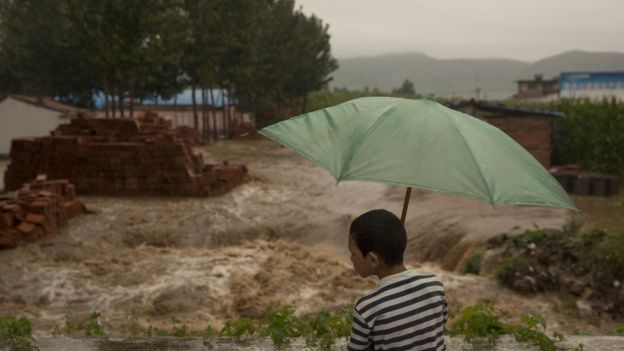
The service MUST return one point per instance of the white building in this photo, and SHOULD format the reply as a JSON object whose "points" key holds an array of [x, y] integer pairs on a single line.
{"points": [[28, 116], [592, 85]]}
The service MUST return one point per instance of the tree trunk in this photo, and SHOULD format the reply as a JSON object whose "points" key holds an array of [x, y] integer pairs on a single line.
{"points": [[132, 98], [223, 110], [195, 120], [204, 133], [214, 112], [106, 101], [121, 102], [113, 91]]}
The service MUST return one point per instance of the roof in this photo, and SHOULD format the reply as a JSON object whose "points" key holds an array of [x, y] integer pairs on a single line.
{"points": [[47, 102], [508, 110]]}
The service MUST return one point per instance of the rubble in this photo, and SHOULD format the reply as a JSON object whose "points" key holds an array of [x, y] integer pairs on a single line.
{"points": [[104, 156], [37, 209]]}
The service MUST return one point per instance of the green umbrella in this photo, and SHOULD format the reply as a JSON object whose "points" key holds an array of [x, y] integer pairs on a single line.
{"points": [[422, 144]]}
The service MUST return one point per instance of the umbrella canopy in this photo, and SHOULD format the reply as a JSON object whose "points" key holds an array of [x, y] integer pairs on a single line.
{"points": [[423, 144]]}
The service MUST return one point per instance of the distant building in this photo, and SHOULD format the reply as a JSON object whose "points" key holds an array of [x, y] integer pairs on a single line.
{"points": [[592, 85], [537, 88], [28, 116], [530, 128]]}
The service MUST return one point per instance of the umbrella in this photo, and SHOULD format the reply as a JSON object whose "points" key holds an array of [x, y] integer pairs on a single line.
{"points": [[422, 144]]}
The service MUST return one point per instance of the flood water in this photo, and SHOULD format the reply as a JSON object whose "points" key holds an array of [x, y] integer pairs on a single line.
{"points": [[278, 238]]}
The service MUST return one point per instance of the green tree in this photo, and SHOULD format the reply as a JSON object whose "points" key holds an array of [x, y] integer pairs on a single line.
{"points": [[406, 89]]}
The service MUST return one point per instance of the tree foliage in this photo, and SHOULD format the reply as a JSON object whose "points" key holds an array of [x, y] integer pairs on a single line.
{"points": [[406, 89], [265, 53]]}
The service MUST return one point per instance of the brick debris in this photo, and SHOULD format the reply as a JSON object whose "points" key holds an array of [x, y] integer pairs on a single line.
{"points": [[105, 156], [37, 209]]}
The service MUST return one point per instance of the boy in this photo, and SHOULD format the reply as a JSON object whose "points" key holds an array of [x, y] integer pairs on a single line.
{"points": [[408, 310]]}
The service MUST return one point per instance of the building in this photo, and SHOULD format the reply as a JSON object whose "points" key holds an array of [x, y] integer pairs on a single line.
{"points": [[537, 88], [592, 85], [530, 128], [29, 116]]}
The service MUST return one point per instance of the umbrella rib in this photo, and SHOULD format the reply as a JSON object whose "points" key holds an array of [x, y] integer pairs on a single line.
{"points": [[472, 154], [358, 145]]}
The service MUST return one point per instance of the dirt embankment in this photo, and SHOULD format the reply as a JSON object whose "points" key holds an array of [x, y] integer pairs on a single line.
{"points": [[204, 260]]}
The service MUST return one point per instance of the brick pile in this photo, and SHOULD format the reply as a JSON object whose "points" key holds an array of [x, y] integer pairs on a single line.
{"points": [[120, 157], [37, 209]]}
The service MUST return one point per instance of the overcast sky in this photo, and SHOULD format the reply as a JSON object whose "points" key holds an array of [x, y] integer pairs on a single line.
{"points": [[526, 30]]}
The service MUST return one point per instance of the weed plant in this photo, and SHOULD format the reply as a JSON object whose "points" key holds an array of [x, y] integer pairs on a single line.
{"points": [[484, 321], [17, 332]]}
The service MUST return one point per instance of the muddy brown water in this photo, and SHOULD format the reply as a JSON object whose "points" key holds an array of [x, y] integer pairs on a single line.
{"points": [[278, 239]]}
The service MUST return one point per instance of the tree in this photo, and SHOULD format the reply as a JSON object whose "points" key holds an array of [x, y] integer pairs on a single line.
{"points": [[34, 49], [406, 89]]}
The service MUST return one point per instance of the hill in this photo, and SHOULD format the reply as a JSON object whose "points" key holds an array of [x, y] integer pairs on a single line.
{"points": [[460, 77]]}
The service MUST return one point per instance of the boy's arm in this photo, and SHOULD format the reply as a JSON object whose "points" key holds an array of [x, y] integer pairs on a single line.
{"points": [[360, 334]]}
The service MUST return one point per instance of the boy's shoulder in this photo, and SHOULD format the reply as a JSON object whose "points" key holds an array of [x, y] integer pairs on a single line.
{"points": [[399, 285]]}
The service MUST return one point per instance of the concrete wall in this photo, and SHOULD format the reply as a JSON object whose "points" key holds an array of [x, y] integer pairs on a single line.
{"points": [[20, 119], [532, 132], [590, 343]]}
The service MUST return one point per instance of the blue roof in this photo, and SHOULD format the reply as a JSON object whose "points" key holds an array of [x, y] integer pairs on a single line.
{"points": [[183, 98]]}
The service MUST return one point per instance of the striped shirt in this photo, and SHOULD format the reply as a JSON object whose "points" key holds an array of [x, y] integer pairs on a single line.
{"points": [[406, 312]]}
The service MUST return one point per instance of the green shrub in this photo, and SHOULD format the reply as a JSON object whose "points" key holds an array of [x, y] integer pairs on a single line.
{"points": [[610, 253], [509, 268], [480, 320], [472, 265], [92, 328], [16, 331], [619, 330], [283, 325], [323, 328], [532, 330]]}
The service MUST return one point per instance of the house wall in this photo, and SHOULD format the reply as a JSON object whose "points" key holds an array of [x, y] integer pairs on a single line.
{"points": [[532, 132], [19, 119]]}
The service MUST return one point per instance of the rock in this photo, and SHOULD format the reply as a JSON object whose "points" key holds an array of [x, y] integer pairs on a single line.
{"points": [[526, 283], [584, 309], [576, 288]]}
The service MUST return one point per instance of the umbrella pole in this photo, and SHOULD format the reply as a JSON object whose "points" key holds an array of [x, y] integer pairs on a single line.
{"points": [[405, 204]]}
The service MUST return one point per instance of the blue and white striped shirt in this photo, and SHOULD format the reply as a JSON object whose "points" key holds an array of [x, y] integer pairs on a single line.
{"points": [[406, 312]]}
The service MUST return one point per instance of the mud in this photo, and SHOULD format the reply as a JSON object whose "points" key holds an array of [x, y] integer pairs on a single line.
{"points": [[279, 238]]}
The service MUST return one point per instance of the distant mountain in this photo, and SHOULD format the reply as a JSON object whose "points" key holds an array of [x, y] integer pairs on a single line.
{"points": [[459, 77]]}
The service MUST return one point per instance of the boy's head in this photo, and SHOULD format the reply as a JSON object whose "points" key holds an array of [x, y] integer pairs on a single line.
{"points": [[377, 240]]}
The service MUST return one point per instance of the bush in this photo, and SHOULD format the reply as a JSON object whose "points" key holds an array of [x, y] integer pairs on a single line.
{"points": [[480, 320], [472, 265], [16, 331], [483, 320], [610, 253], [509, 269], [619, 330]]}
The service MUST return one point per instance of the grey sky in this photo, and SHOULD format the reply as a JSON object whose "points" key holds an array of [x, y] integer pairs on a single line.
{"points": [[527, 30]]}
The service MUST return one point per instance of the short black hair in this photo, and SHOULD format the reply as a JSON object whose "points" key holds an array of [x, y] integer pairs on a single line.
{"points": [[381, 232]]}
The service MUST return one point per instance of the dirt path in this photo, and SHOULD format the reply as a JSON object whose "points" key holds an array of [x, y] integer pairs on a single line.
{"points": [[203, 260]]}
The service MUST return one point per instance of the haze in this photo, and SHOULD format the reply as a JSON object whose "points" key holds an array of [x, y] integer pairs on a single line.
{"points": [[525, 30]]}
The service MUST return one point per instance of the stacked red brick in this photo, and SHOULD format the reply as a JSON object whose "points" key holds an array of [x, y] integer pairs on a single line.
{"points": [[37, 209], [120, 157]]}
